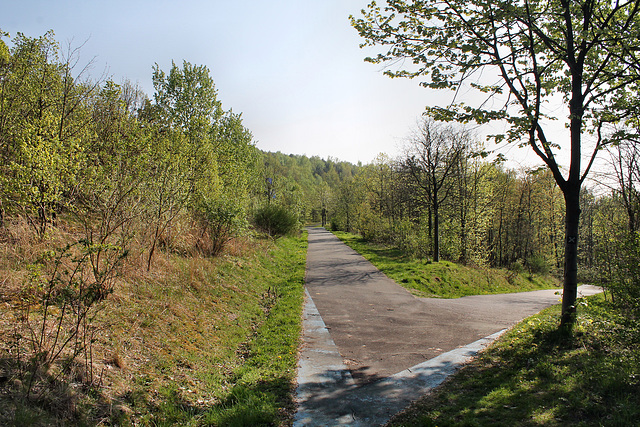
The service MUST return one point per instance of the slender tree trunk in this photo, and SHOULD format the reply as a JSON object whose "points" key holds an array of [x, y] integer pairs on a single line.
{"points": [[463, 234], [571, 191], [153, 248], [436, 231], [463, 194], [572, 221], [500, 251], [430, 224]]}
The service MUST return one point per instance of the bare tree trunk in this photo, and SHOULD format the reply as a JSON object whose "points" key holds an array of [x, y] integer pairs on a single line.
{"points": [[572, 221], [436, 230]]}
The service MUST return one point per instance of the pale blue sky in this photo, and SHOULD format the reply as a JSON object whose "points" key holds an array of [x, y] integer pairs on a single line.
{"points": [[292, 67]]}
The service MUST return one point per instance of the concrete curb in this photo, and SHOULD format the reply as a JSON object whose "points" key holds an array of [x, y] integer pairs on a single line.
{"points": [[322, 373]]}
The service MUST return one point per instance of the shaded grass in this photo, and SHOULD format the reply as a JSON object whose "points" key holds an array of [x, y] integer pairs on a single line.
{"points": [[444, 279], [534, 376], [198, 341]]}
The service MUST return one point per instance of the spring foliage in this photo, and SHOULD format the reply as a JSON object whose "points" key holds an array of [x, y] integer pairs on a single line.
{"points": [[117, 175]]}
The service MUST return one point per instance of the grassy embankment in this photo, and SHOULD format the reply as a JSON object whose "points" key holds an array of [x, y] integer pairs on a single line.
{"points": [[444, 279], [531, 376], [198, 341]]}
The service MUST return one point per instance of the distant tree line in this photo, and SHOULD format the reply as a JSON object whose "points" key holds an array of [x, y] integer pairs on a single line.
{"points": [[443, 199]]}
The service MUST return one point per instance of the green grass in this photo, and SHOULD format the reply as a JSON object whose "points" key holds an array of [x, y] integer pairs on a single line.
{"points": [[533, 376], [199, 341], [444, 279], [251, 378]]}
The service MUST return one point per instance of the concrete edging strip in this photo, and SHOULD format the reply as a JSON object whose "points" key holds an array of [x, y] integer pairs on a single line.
{"points": [[327, 395]]}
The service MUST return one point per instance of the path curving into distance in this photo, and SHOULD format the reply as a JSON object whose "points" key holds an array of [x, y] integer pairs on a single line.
{"points": [[370, 347]]}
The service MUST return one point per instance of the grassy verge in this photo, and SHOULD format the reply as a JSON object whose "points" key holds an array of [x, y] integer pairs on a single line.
{"points": [[532, 376], [198, 341], [444, 279]]}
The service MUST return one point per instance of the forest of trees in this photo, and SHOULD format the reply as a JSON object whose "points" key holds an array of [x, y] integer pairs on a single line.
{"points": [[123, 167], [179, 172], [442, 198], [448, 201], [176, 172]]}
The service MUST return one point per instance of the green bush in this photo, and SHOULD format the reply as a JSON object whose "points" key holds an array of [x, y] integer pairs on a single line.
{"points": [[624, 283], [537, 264], [412, 239], [517, 267], [221, 220], [336, 224], [276, 220], [374, 228], [406, 237]]}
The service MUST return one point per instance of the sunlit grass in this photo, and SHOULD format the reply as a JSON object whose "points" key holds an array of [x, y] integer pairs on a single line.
{"points": [[444, 279], [534, 375], [249, 378]]}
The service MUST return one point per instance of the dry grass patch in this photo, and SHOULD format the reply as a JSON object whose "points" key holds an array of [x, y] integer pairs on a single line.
{"points": [[167, 345]]}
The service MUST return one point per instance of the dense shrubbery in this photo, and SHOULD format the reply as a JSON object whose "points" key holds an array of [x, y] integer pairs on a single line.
{"points": [[221, 220], [622, 274], [276, 220], [536, 264]]}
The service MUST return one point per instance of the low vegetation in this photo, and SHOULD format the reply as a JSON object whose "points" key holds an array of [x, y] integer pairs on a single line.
{"points": [[276, 220], [534, 376], [445, 279], [195, 341]]}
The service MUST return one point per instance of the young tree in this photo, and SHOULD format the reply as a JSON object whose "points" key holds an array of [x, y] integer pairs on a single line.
{"points": [[583, 53], [434, 153], [186, 101], [220, 153], [115, 169], [348, 197], [380, 181], [43, 122], [235, 154], [625, 162]]}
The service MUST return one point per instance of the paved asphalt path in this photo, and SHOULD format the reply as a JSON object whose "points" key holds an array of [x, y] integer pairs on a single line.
{"points": [[379, 332]]}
